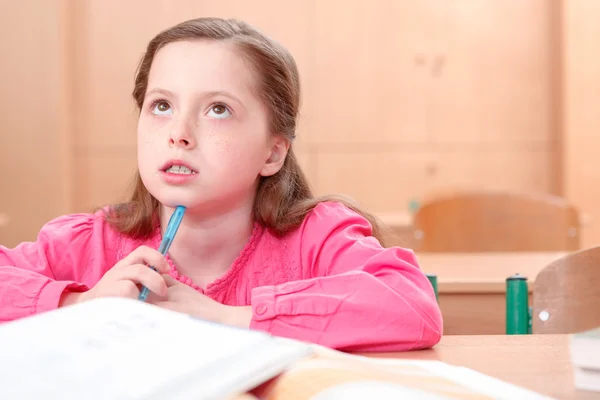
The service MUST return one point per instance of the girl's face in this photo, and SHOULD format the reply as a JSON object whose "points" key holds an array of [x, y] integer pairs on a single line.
{"points": [[203, 133]]}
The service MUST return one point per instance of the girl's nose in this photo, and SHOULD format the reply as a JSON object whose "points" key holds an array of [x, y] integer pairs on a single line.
{"points": [[181, 136]]}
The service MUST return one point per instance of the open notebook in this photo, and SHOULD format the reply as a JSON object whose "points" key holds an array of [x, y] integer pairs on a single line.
{"points": [[126, 349]]}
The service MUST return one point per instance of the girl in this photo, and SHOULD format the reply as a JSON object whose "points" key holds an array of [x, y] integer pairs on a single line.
{"points": [[218, 104]]}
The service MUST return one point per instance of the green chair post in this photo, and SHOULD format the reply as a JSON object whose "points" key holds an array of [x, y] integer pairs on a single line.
{"points": [[433, 280], [518, 312]]}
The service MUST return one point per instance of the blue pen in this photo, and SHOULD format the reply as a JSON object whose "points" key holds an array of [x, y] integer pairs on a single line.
{"points": [[167, 239]]}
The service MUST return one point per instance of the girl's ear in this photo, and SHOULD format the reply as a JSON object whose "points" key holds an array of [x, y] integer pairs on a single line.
{"points": [[279, 148]]}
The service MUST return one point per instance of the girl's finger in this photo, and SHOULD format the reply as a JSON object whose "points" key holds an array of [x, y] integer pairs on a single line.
{"points": [[143, 275], [170, 281], [148, 256]]}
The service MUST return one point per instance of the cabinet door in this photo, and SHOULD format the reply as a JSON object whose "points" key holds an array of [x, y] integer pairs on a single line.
{"points": [[493, 95], [34, 152], [581, 76], [492, 64], [367, 84]]}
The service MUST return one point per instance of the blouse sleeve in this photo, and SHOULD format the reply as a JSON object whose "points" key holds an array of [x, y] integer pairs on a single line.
{"points": [[71, 252], [357, 295]]}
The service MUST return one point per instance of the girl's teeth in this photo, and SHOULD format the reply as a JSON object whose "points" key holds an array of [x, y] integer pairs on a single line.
{"points": [[179, 169]]}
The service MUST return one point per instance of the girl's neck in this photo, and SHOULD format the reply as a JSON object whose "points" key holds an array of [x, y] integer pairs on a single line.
{"points": [[206, 246]]}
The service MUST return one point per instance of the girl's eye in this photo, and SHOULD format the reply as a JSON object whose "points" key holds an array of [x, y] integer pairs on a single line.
{"points": [[162, 108], [219, 111]]}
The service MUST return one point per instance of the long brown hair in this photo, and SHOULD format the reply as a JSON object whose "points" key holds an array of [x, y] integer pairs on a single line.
{"points": [[282, 200]]}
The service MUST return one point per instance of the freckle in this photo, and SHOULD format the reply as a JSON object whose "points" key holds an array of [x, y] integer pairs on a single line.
{"points": [[227, 144], [223, 142], [147, 139]]}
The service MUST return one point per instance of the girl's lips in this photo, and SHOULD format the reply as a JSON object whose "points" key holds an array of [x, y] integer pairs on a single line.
{"points": [[177, 179], [173, 162]]}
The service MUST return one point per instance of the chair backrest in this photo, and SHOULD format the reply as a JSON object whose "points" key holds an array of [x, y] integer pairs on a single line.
{"points": [[496, 221], [566, 294]]}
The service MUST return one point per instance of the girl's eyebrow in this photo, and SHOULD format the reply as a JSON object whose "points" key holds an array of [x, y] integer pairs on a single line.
{"points": [[163, 92], [212, 93], [224, 93]]}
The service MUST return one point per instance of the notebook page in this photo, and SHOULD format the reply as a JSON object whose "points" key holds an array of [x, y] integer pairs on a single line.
{"points": [[126, 349]]}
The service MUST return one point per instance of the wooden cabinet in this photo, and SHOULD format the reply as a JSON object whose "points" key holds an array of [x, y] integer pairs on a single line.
{"points": [[399, 97], [581, 117], [408, 97], [35, 157]]}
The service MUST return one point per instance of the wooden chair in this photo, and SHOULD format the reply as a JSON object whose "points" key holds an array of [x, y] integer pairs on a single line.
{"points": [[566, 294], [496, 221]]}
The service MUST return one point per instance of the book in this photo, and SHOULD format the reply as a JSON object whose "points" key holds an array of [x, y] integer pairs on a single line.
{"points": [[116, 348], [584, 350]]}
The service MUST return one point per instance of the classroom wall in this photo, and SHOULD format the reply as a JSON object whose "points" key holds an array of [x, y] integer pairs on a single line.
{"points": [[35, 164], [581, 122], [400, 97]]}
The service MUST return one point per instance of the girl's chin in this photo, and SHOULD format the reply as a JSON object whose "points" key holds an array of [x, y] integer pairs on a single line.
{"points": [[189, 204], [173, 204]]}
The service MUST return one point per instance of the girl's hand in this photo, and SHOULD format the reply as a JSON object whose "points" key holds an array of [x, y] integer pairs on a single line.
{"points": [[184, 299], [126, 278]]}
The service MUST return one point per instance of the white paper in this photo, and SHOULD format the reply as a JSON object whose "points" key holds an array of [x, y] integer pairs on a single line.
{"points": [[127, 349]]}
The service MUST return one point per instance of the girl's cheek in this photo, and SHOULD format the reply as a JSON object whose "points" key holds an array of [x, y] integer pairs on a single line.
{"points": [[151, 132]]}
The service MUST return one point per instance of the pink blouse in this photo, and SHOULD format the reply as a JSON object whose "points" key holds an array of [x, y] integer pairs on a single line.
{"points": [[328, 282]]}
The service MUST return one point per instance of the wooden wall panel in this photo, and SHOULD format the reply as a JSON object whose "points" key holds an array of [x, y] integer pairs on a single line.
{"points": [[104, 177], [368, 78], [492, 65], [518, 167], [375, 76], [386, 181], [34, 145], [381, 181], [581, 129], [439, 93]]}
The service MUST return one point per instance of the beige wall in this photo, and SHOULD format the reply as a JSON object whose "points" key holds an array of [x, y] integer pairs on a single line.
{"points": [[35, 164], [581, 99], [400, 97], [411, 90]]}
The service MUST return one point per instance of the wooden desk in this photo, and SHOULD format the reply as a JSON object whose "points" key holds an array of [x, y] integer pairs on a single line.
{"points": [[537, 362], [472, 286]]}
